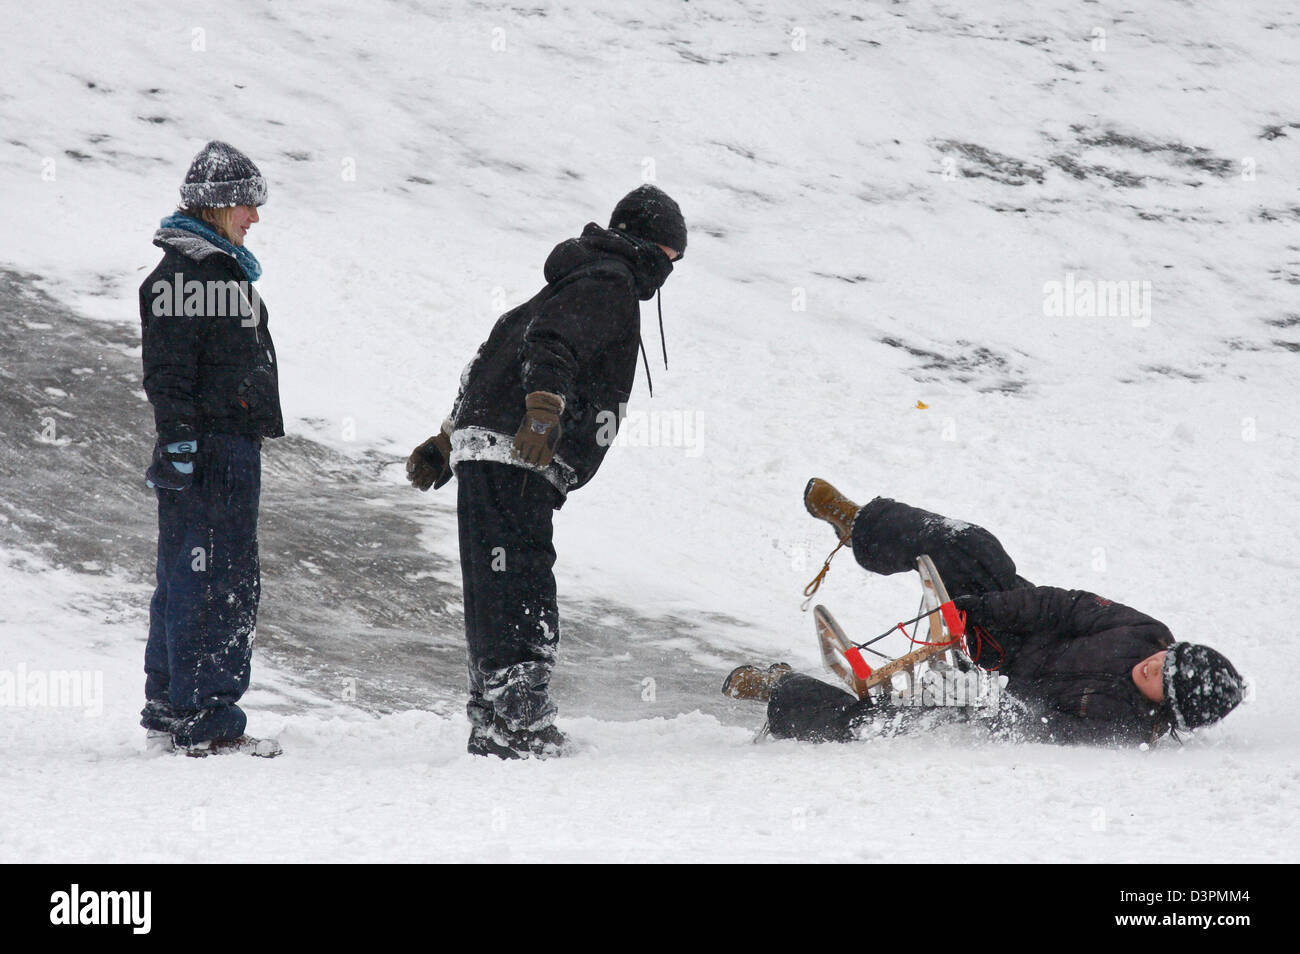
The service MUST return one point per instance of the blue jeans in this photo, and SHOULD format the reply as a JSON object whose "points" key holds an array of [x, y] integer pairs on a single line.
{"points": [[204, 610]]}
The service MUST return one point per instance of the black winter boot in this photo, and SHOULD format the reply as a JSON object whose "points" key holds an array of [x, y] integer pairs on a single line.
{"points": [[496, 739]]}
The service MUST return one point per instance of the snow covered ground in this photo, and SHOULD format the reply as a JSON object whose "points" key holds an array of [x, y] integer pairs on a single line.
{"points": [[881, 198]]}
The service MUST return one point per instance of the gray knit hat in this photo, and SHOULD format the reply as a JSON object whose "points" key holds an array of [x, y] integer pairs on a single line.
{"points": [[221, 175]]}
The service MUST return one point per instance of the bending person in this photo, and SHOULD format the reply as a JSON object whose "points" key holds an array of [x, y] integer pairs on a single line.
{"points": [[538, 409]]}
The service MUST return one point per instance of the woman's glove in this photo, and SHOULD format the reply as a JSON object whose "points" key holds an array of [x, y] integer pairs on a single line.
{"points": [[173, 465]]}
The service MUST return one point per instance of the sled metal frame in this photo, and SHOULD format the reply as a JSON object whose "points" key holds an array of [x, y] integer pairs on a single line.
{"points": [[834, 643]]}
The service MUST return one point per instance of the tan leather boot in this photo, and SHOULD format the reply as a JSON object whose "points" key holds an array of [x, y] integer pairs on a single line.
{"points": [[750, 682], [826, 503]]}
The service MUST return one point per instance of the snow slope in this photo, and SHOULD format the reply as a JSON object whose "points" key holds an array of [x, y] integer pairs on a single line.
{"points": [[879, 196], [399, 787]]}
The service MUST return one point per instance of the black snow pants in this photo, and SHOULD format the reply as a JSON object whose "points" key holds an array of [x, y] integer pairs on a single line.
{"points": [[204, 608], [512, 621], [887, 538]]}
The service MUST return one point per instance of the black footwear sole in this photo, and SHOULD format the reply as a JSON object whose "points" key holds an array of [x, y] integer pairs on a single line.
{"points": [[244, 745], [487, 747], [549, 743], [807, 487]]}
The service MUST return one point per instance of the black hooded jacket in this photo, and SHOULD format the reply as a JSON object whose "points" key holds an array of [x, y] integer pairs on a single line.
{"points": [[209, 365], [578, 337], [1069, 656]]}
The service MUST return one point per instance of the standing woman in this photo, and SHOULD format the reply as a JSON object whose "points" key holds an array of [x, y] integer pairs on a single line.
{"points": [[210, 373]]}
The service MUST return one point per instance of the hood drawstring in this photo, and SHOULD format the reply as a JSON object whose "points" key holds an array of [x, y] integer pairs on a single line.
{"points": [[663, 344], [646, 361]]}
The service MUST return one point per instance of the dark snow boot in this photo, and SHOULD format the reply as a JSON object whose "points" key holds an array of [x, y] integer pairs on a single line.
{"points": [[496, 739], [488, 740], [826, 503], [245, 744], [750, 682], [549, 743]]}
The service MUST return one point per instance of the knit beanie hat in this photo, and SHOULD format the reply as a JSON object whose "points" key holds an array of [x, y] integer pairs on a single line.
{"points": [[221, 175], [1201, 686], [649, 213]]}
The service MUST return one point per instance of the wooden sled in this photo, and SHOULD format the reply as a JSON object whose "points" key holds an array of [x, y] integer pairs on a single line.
{"points": [[840, 657]]}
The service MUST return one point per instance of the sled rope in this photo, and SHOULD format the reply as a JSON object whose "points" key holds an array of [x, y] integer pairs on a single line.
{"points": [[981, 634], [921, 642], [910, 637], [811, 589]]}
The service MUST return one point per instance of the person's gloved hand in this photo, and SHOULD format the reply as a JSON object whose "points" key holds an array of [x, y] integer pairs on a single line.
{"points": [[173, 465], [970, 604], [430, 464], [540, 430]]}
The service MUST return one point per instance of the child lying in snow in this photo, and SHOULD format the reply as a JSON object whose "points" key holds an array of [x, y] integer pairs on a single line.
{"points": [[1078, 667]]}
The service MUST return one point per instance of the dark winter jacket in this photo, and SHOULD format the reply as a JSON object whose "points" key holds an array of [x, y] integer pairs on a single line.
{"points": [[1069, 656], [578, 338], [888, 536], [209, 362]]}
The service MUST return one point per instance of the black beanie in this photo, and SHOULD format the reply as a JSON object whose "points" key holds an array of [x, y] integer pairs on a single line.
{"points": [[650, 213], [221, 175], [1201, 686]]}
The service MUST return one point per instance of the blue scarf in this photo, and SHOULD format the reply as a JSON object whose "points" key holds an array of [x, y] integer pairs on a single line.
{"points": [[246, 259]]}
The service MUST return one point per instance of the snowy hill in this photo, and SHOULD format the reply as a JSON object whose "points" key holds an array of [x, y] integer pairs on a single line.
{"points": [[889, 204]]}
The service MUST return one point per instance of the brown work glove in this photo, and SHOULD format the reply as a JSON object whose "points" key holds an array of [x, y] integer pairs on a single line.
{"points": [[540, 430], [430, 464]]}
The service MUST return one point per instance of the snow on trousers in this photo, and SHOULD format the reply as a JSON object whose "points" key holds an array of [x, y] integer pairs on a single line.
{"points": [[887, 538], [512, 621], [204, 609]]}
